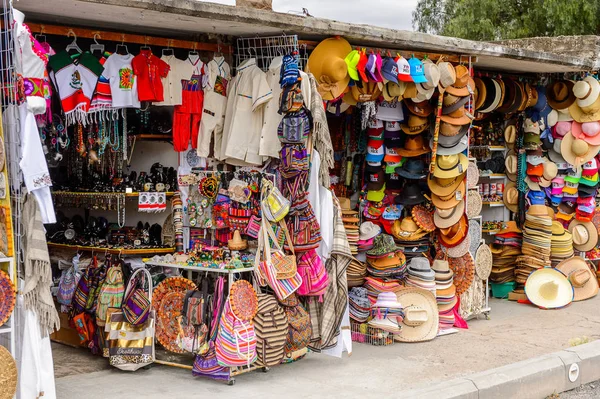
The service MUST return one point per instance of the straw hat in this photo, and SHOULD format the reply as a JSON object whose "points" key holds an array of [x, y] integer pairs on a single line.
{"points": [[327, 63], [480, 92], [585, 235], [451, 200], [455, 234], [588, 131], [346, 206], [577, 151], [586, 91], [432, 74], [407, 230], [511, 227], [8, 374], [510, 163], [493, 97], [549, 288], [447, 76], [483, 262], [369, 230], [421, 317], [445, 218], [511, 197], [450, 165], [582, 279], [387, 300], [464, 85], [444, 186], [472, 175], [560, 94], [474, 203], [392, 91], [236, 243]]}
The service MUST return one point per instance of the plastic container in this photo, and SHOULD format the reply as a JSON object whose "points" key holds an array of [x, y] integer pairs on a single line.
{"points": [[501, 290]]}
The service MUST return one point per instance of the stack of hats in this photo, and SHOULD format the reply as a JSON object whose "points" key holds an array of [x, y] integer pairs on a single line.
{"points": [[537, 233], [359, 304], [351, 220], [561, 245], [368, 232], [356, 273], [385, 259], [420, 274], [525, 266], [387, 313], [445, 291], [409, 236], [376, 286], [505, 249]]}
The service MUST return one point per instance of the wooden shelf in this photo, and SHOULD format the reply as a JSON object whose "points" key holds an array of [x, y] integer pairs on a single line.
{"points": [[158, 137], [121, 251], [97, 194], [493, 176], [490, 232], [494, 203]]}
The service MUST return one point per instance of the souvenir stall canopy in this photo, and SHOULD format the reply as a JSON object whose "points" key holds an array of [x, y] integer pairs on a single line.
{"points": [[239, 200]]}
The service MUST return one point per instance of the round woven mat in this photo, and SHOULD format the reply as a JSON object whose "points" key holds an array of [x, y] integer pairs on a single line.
{"points": [[243, 300], [8, 374], [472, 175], [8, 297], [167, 327], [474, 204], [483, 261]]}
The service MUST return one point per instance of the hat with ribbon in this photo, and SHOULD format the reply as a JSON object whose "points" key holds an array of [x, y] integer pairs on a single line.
{"points": [[422, 108], [327, 63], [413, 168], [577, 151], [368, 230], [585, 235], [494, 96], [415, 124], [432, 74], [411, 195], [583, 280], [444, 186], [447, 76], [560, 94], [453, 235], [454, 113], [464, 85], [451, 145], [407, 230], [383, 244], [449, 130], [587, 106], [587, 131], [445, 218], [450, 165], [413, 147], [451, 200]]}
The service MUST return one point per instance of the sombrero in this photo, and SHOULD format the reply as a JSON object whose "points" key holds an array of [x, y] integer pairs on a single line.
{"points": [[243, 300], [8, 374], [472, 175], [421, 317], [483, 261], [8, 297], [474, 203], [581, 277], [236, 243], [327, 64], [549, 288]]}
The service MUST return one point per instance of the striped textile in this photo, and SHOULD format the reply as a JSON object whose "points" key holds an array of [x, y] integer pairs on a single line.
{"points": [[271, 326], [207, 365], [236, 340], [111, 293]]}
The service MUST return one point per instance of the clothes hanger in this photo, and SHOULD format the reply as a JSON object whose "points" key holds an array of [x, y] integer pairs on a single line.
{"points": [[122, 45], [40, 37], [168, 49], [194, 52], [145, 46], [218, 53], [73, 45], [97, 46]]}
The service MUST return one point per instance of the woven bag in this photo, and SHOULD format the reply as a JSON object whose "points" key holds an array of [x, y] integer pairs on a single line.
{"points": [[236, 340], [271, 326], [299, 325], [67, 285], [273, 204], [314, 276], [111, 293], [137, 302], [295, 127]]}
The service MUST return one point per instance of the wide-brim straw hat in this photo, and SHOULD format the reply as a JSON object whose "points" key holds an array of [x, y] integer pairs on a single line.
{"points": [[585, 235], [511, 197], [327, 64], [582, 279], [549, 288], [448, 166], [236, 243], [474, 204], [444, 186], [421, 317], [445, 218], [577, 151], [451, 200], [483, 262], [8, 374]]}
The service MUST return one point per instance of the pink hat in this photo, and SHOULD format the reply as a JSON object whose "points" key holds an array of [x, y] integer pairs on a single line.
{"points": [[557, 185], [562, 128], [588, 132]]}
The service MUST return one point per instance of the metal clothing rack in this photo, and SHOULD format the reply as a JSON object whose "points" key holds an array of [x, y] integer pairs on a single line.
{"points": [[264, 49], [231, 273]]}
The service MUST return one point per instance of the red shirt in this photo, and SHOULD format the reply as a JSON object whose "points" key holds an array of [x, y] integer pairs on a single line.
{"points": [[149, 69]]}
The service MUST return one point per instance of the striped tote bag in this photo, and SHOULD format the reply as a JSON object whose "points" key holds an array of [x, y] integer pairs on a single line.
{"points": [[236, 340]]}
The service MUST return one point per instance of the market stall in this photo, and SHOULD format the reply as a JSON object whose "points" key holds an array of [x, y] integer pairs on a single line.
{"points": [[226, 206]]}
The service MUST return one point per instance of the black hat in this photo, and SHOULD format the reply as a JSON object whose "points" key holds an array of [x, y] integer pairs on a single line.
{"points": [[413, 168], [393, 182], [411, 195], [374, 175]]}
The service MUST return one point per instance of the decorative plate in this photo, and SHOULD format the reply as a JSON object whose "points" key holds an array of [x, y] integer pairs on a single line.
{"points": [[464, 272], [8, 296], [167, 326], [192, 158], [176, 284], [243, 300], [423, 217]]}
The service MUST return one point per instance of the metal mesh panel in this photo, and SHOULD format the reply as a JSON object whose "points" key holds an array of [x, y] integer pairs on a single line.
{"points": [[264, 49]]}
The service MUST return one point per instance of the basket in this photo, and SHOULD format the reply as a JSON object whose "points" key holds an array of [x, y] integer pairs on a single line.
{"points": [[501, 290], [364, 334]]}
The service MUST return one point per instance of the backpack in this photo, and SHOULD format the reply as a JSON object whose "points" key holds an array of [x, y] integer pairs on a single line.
{"points": [[97, 275], [271, 326], [67, 285], [295, 126], [82, 292], [291, 99], [110, 294], [289, 72], [236, 340], [294, 161], [314, 276], [307, 232], [299, 325]]}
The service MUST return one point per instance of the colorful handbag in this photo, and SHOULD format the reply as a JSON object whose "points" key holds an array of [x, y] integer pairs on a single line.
{"points": [[207, 365], [300, 326], [111, 293], [253, 226], [273, 204], [307, 232], [285, 265], [314, 276], [67, 285], [136, 302], [295, 127], [130, 347], [236, 341]]}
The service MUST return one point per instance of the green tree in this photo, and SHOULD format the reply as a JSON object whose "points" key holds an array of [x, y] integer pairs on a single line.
{"points": [[507, 19]]}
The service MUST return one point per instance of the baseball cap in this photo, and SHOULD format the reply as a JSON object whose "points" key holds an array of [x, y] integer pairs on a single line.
{"points": [[375, 133], [352, 62], [536, 197], [374, 177], [570, 188], [535, 170], [390, 111], [362, 65], [574, 175], [376, 195], [403, 70], [590, 168], [416, 70], [390, 167], [375, 154], [530, 126], [389, 70], [392, 212], [391, 155], [536, 157], [393, 182]]}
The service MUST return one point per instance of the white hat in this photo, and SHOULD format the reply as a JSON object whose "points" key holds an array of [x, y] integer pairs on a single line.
{"points": [[549, 288], [368, 230], [586, 91]]}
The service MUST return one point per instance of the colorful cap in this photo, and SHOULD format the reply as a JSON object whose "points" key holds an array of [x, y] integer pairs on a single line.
{"points": [[416, 70], [403, 70], [352, 60]]}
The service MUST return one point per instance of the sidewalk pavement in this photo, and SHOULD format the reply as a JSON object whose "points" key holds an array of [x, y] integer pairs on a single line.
{"points": [[515, 333]]}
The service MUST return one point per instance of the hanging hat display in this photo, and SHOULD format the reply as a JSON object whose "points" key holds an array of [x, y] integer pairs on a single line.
{"points": [[577, 151], [450, 165], [560, 94], [327, 62]]}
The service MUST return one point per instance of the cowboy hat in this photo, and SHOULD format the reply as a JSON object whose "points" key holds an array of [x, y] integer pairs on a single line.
{"points": [[421, 108], [449, 130], [450, 165], [577, 151], [581, 277], [327, 64], [346, 207], [451, 145], [549, 288], [464, 85], [444, 186], [454, 112], [511, 197], [393, 90], [585, 235], [415, 124], [451, 200], [493, 97], [407, 230], [421, 317], [447, 76], [413, 147], [445, 218], [453, 235], [480, 91], [369, 230], [560, 94], [432, 74]]}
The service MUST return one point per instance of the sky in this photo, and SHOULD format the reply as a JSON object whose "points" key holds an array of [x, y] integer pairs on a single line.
{"points": [[395, 14]]}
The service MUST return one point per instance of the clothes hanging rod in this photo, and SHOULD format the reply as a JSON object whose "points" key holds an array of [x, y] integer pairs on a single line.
{"points": [[59, 30], [456, 59]]}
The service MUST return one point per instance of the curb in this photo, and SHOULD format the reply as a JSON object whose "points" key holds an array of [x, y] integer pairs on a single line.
{"points": [[533, 378]]}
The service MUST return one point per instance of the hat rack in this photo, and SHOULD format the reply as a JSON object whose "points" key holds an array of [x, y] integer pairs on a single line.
{"points": [[144, 40], [264, 49]]}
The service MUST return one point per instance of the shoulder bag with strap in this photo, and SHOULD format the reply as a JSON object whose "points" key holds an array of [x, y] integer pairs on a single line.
{"points": [[137, 302]]}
